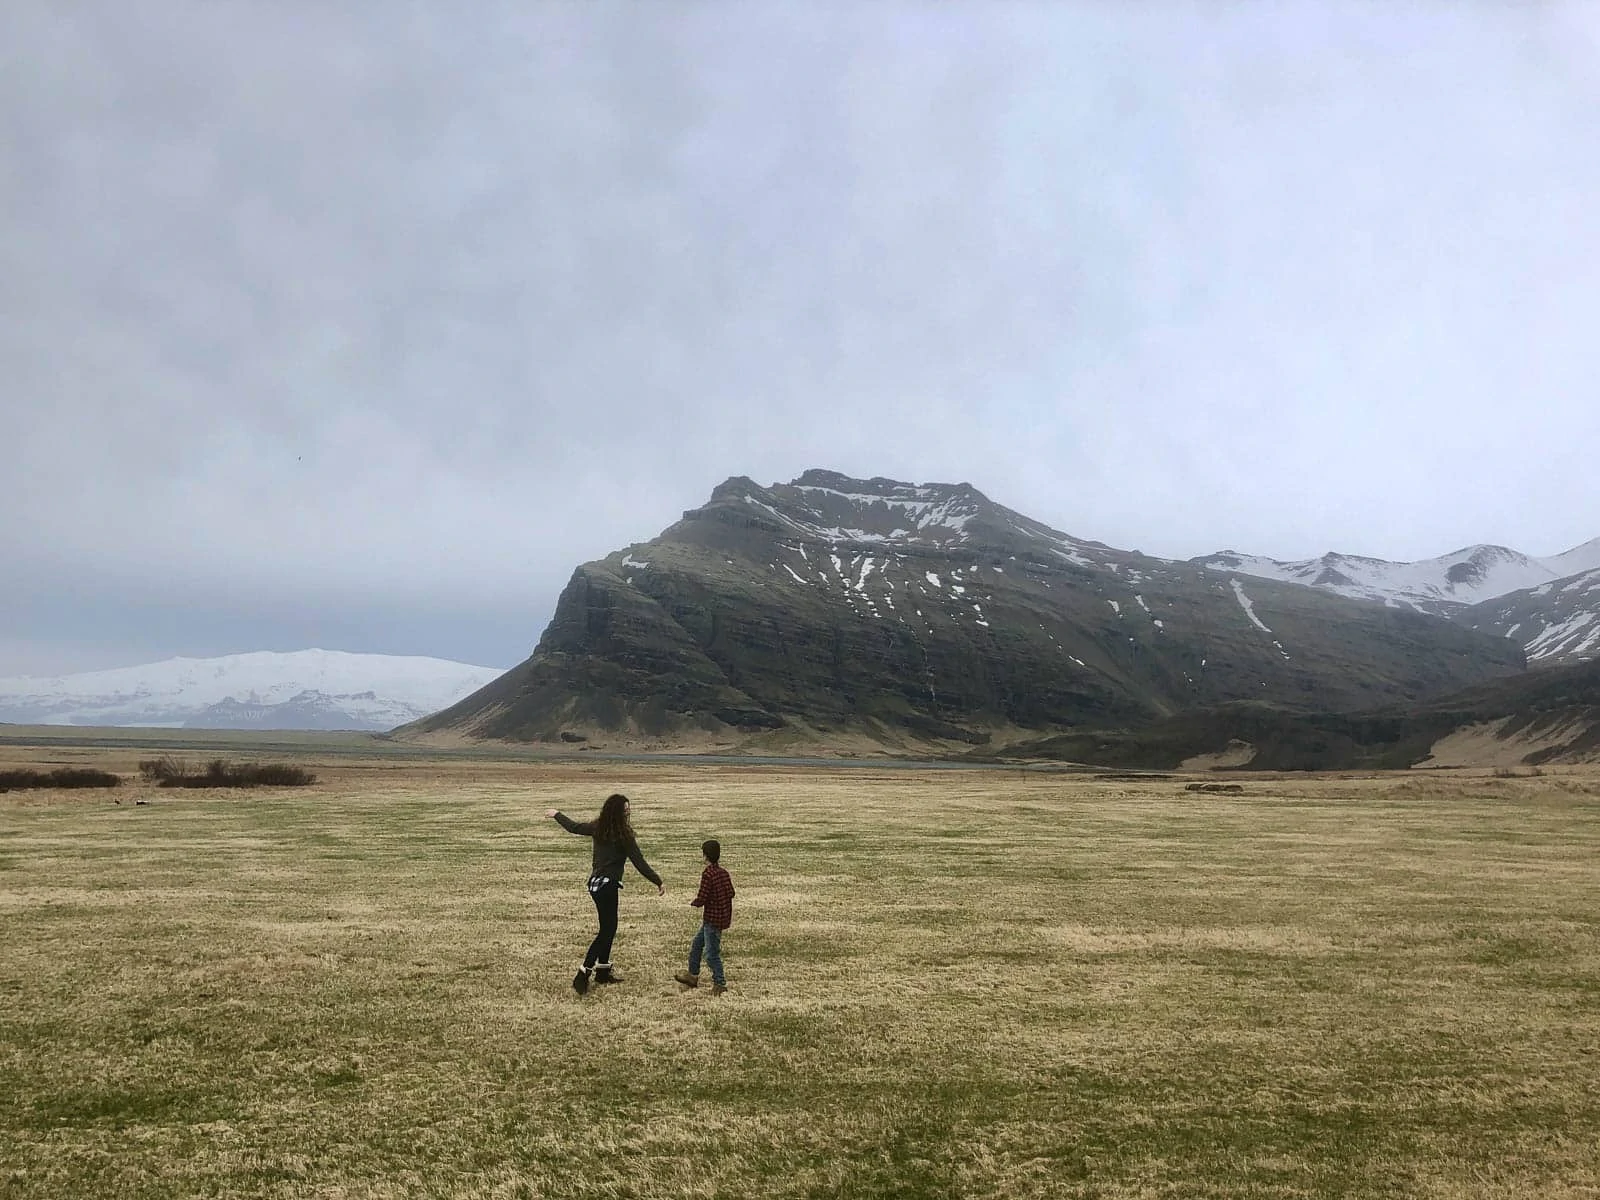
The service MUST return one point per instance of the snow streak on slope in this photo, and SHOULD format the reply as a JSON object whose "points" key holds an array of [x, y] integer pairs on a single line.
{"points": [[1249, 608], [866, 579], [1250, 611], [321, 689]]}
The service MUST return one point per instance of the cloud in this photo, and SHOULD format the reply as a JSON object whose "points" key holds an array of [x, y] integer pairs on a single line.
{"points": [[352, 307]]}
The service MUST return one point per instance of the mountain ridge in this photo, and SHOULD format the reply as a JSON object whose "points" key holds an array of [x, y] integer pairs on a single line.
{"points": [[1442, 585], [895, 609], [1556, 622], [305, 689]]}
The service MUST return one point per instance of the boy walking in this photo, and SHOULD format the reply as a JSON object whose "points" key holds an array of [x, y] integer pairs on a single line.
{"points": [[716, 898]]}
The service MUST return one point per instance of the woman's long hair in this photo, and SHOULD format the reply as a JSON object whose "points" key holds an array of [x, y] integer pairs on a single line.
{"points": [[612, 823]]}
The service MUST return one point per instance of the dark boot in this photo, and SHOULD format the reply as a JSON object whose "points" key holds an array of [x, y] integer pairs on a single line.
{"points": [[687, 979], [580, 981], [606, 973]]}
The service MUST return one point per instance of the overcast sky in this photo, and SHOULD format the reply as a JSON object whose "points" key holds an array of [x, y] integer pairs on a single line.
{"points": [[360, 325]]}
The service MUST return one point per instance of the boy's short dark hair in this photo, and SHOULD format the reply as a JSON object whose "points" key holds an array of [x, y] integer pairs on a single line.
{"points": [[712, 850]]}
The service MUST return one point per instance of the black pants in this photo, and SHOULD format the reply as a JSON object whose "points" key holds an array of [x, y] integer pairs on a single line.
{"points": [[605, 907]]}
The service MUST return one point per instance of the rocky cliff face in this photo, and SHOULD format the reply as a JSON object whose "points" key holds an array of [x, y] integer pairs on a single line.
{"points": [[930, 612]]}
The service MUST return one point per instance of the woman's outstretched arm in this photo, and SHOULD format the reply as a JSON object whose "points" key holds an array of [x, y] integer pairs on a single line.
{"points": [[586, 828]]}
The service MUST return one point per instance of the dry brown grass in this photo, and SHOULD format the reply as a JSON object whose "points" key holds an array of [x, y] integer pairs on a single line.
{"points": [[943, 983]]}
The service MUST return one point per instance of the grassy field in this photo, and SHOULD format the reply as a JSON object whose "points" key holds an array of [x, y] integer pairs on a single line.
{"points": [[975, 984]]}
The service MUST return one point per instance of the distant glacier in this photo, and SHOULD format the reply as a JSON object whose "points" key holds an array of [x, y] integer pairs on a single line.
{"points": [[303, 689]]}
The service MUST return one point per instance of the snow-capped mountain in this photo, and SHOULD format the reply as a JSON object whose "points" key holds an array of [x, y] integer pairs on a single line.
{"points": [[832, 606], [1557, 621], [832, 507], [1441, 586], [1541, 602], [306, 689]]}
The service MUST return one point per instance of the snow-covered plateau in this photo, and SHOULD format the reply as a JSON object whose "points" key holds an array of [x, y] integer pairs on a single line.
{"points": [[304, 689]]}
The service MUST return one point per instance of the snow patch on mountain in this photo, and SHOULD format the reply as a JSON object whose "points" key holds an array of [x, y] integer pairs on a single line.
{"points": [[835, 509], [1249, 608], [1250, 611], [1555, 622], [305, 689], [1578, 636]]}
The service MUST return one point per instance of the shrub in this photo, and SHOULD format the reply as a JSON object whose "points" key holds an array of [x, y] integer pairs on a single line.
{"points": [[221, 774], [156, 770], [61, 777]]}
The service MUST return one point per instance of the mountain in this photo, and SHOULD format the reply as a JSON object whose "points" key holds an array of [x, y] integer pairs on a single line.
{"points": [[907, 614], [1550, 716], [1442, 586], [1541, 606], [1555, 622], [306, 689]]}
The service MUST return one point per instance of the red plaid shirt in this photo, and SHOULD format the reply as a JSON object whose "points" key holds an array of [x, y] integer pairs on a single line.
{"points": [[715, 896]]}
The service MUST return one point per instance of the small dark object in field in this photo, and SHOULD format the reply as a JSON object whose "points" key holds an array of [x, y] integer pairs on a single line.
{"points": [[568, 736], [1213, 787], [1129, 776], [61, 777], [221, 774], [141, 802]]}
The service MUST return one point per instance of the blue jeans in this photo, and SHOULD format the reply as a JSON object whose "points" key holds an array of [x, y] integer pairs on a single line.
{"points": [[708, 939]]}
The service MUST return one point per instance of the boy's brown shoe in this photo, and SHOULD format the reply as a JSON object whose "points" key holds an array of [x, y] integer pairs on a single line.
{"points": [[718, 988], [687, 979]]}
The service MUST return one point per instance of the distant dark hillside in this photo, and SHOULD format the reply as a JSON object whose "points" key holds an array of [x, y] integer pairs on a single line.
{"points": [[888, 610], [1553, 713]]}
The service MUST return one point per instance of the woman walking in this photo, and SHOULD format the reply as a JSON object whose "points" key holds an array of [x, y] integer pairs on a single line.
{"points": [[614, 845]]}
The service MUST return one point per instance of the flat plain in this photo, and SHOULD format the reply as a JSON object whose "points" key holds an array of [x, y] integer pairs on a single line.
{"points": [[974, 983]]}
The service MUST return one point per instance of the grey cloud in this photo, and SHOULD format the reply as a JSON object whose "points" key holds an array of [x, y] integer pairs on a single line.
{"points": [[412, 308]]}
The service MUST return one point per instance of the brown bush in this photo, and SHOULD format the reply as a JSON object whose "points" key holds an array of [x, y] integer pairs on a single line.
{"points": [[61, 777], [219, 773], [154, 770]]}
